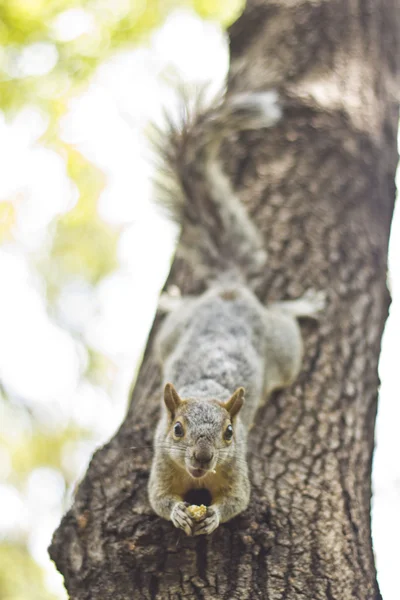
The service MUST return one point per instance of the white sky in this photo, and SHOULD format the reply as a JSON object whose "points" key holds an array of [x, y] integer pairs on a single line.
{"points": [[128, 90]]}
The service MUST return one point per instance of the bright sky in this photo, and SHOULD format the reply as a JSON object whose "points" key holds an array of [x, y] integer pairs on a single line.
{"points": [[130, 91]]}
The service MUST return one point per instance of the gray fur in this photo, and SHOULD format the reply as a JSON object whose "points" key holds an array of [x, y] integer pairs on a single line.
{"points": [[208, 347], [211, 345]]}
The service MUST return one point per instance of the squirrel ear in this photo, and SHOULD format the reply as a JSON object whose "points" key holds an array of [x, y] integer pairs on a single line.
{"points": [[235, 402], [171, 398]]}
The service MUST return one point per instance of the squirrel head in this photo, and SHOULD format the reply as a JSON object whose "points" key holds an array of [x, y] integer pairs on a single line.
{"points": [[201, 433]]}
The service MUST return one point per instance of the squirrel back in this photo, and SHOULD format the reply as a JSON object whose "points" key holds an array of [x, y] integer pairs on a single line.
{"points": [[217, 232], [215, 343]]}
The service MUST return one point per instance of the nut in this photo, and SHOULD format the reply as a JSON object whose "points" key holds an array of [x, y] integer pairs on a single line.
{"points": [[197, 512]]}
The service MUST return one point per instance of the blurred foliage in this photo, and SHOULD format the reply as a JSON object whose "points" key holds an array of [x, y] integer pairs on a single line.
{"points": [[41, 65], [40, 448], [111, 25], [31, 34], [20, 577], [84, 244], [7, 220]]}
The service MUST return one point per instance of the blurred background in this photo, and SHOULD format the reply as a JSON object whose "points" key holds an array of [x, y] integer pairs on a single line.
{"points": [[84, 253]]}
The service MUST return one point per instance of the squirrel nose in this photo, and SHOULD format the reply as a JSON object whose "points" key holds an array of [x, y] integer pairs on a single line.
{"points": [[203, 455]]}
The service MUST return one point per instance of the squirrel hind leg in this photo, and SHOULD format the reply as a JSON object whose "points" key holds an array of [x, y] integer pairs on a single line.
{"points": [[310, 305], [170, 300], [255, 110]]}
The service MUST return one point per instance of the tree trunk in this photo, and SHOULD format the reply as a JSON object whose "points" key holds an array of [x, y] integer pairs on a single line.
{"points": [[321, 188]]}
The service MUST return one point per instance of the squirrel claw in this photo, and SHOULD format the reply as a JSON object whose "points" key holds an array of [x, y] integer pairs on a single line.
{"points": [[316, 298], [208, 524], [181, 518]]}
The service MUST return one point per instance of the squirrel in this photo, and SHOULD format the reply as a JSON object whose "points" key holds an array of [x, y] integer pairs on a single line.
{"points": [[224, 351]]}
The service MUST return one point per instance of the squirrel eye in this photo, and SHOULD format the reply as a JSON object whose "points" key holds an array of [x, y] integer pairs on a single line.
{"points": [[228, 433], [178, 430]]}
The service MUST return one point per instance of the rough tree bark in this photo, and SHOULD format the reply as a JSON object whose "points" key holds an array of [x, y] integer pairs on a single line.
{"points": [[321, 188]]}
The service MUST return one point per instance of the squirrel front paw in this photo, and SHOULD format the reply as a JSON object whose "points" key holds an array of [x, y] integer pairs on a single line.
{"points": [[209, 523], [316, 300], [181, 518]]}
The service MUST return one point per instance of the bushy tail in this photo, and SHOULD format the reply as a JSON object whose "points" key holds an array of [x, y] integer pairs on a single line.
{"points": [[217, 232]]}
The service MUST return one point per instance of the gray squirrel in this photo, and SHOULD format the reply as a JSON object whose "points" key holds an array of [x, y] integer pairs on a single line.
{"points": [[223, 351]]}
